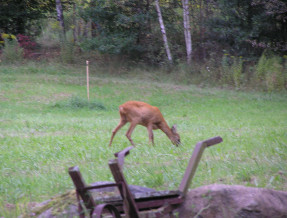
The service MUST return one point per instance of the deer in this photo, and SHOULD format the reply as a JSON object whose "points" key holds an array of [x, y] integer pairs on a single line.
{"points": [[141, 113]]}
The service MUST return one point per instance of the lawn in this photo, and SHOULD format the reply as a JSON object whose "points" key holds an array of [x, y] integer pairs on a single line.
{"points": [[46, 126]]}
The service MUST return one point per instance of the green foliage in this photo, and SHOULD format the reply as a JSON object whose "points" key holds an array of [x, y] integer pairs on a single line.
{"points": [[237, 70], [131, 28], [20, 17], [274, 75], [118, 27], [226, 73], [4, 37], [262, 67], [75, 103], [231, 71], [12, 52], [67, 52], [269, 72], [118, 43], [246, 27]]}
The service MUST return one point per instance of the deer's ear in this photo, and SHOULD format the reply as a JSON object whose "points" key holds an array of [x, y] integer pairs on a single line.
{"points": [[173, 129]]}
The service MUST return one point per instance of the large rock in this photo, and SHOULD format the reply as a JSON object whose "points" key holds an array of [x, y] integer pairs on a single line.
{"points": [[218, 201]]}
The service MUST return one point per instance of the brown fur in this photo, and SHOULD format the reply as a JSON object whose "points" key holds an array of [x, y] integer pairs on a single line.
{"points": [[137, 112]]}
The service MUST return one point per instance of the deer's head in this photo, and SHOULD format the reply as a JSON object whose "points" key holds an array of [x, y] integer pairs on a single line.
{"points": [[175, 136]]}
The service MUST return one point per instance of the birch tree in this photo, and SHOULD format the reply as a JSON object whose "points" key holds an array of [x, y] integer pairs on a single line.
{"points": [[162, 27], [187, 34], [60, 18]]}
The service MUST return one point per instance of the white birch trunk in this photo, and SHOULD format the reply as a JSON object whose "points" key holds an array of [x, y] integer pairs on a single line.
{"points": [[163, 31], [187, 34]]}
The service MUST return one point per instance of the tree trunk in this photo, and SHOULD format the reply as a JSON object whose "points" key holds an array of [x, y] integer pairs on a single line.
{"points": [[187, 34], [86, 29], [163, 31], [60, 18], [74, 23]]}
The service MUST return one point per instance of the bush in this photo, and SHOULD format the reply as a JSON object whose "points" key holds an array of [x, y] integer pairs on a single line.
{"points": [[225, 72], [25, 42], [12, 52], [67, 52], [274, 78], [237, 69], [269, 72], [4, 37], [79, 103], [261, 68]]}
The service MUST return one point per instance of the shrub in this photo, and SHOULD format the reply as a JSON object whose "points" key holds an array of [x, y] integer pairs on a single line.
{"points": [[79, 103], [274, 79], [225, 72], [67, 52], [5, 37], [237, 68], [269, 72], [261, 68], [25, 42], [12, 52]]}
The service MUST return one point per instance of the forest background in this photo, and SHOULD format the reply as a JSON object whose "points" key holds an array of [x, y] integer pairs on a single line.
{"points": [[231, 43]]}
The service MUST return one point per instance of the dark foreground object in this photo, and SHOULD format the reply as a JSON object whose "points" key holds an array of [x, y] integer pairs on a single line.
{"points": [[133, 204]]}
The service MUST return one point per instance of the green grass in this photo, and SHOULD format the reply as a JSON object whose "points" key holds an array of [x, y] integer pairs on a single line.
{"points": [[42, 132]]}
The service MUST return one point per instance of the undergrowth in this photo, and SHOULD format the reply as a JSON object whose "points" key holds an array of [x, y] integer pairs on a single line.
{"points": [[76, 102]]}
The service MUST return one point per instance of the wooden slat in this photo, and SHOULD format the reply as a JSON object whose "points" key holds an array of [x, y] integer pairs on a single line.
{"points": [[80, 185], [156, 203], [121, 155], [193, 162], [157, 194], [130, 207]]}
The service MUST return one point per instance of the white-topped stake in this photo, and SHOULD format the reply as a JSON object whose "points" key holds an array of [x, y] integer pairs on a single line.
{"points": [[88, 83]]}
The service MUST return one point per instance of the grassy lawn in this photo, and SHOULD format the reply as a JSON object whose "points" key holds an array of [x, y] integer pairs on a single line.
{"points": [[42, 132]]}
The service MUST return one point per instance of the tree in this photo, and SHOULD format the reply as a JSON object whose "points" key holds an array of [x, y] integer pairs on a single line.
{"points": [[271, 26], [18, 16], [187, 34], [162, 27], [60, 18], [119, 27], [247, 27]]}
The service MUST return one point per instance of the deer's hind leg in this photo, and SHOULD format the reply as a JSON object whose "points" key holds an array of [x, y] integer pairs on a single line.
{"points": [[150, 134], [130, 131]]}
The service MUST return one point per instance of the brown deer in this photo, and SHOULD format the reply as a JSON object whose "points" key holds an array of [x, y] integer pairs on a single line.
{"points": [[137, 112]]}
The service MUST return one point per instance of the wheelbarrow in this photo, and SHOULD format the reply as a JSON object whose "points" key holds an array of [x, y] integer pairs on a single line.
{"points": [[135, 204]]}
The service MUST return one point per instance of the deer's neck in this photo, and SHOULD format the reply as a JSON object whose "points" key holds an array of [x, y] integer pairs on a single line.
{"points": [[165, 128]]}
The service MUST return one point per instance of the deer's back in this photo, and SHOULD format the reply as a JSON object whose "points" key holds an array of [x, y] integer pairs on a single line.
{"points": [[140, 112]]}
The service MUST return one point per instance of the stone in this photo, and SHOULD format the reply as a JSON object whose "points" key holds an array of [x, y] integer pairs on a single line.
{"points": [[236, 201]]}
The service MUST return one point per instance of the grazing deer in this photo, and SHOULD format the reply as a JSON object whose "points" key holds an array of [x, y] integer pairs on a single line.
{"points": [[137, 112]]}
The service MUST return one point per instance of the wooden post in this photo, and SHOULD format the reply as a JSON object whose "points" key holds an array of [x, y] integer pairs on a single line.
{"points": [[88, 79]]}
